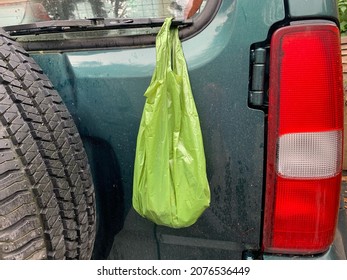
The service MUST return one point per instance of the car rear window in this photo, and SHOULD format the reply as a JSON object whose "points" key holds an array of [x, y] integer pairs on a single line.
{"points": [[39, 25], [21, 12]]}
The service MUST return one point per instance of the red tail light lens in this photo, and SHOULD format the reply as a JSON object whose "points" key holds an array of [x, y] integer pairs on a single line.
{"points": [[305, 132]]}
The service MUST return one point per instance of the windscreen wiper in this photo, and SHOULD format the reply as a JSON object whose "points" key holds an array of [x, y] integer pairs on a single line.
{"points": [[57, 26]]}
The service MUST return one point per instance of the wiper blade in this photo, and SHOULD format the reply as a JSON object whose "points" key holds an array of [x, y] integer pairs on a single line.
{"points": [[56, 26]]}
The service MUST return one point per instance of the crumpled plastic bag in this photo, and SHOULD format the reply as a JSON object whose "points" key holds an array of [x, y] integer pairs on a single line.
{"points": [[170, 184]]}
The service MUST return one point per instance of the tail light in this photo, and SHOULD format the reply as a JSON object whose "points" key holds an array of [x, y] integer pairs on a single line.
{"points": [[305, 133]]}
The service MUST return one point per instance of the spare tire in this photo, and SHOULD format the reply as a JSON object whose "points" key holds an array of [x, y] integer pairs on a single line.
{"points": [[47, 201]]}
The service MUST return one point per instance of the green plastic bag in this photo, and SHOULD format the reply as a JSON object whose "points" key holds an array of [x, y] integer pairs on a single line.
{"points": [[170, 183]]}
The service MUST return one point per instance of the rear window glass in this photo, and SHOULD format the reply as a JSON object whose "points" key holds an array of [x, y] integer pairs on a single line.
{"points": [[92, 24], [14, 12]]}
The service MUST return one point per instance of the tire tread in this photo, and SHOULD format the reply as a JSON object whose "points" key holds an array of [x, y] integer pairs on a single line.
{"points": [[40, 147]]}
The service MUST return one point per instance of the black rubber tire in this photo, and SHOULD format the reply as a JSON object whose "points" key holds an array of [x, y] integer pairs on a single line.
{"points": [[47, 200]]}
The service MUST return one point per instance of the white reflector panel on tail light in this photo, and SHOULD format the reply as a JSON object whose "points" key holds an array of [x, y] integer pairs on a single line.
{"points": [[310, 155]]}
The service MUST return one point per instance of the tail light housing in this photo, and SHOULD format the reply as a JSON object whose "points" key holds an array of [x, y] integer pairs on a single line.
{"points": [[305, 135]]}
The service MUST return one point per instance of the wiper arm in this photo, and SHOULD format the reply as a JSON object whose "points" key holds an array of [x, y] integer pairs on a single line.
{"points": [[56, 26]]}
